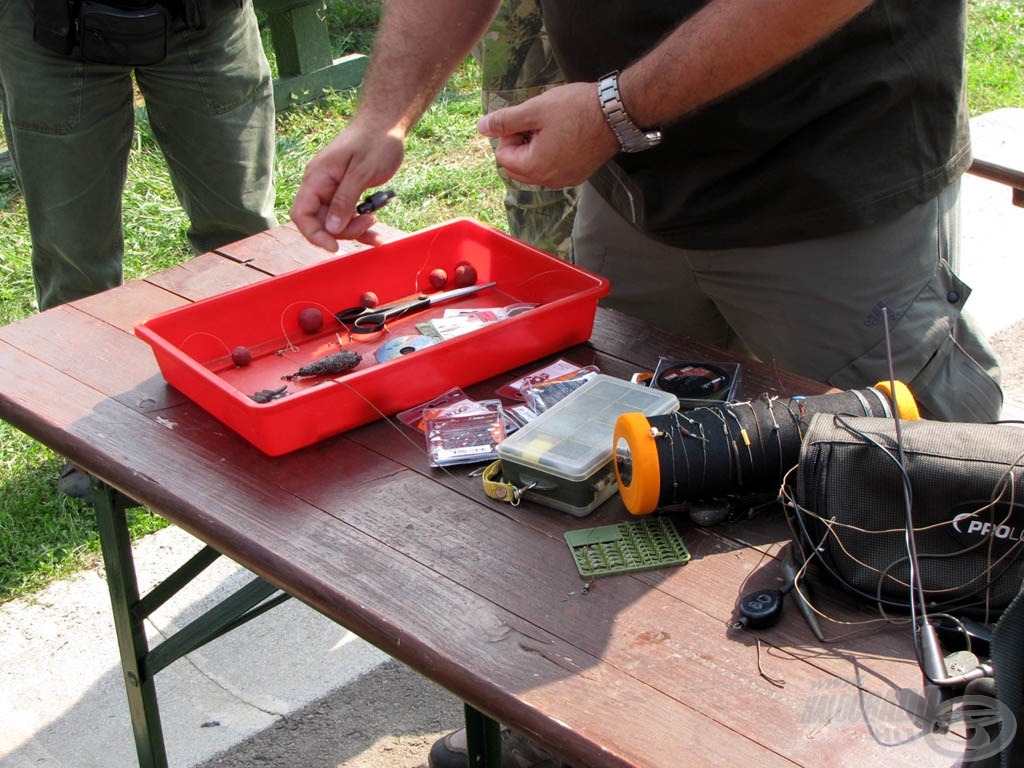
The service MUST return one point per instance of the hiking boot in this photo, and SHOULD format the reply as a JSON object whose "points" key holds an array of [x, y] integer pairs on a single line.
{"points": [[516, 752], [74, 483]]}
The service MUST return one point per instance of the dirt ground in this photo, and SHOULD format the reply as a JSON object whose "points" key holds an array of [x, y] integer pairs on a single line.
{"points": [[389, 718]]}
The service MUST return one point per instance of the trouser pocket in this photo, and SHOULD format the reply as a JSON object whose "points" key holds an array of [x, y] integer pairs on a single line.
{"points": [[961, 381], [939, 352]]}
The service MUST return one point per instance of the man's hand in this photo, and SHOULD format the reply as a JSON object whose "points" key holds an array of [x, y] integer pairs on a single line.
{"points": [[324, 209], [557, 139]]}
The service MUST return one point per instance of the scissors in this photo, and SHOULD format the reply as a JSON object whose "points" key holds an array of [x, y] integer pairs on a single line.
{"points": [[371, 320]]}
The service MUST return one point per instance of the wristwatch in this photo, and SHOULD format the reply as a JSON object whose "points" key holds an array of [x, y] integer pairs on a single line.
{"points": [[631, 138]]}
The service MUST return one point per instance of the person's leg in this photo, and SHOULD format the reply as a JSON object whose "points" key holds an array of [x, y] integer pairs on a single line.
{"points": [[816, 308], [516, 63], [69, 129], [649, 279], [452, 751], [210, 103]]}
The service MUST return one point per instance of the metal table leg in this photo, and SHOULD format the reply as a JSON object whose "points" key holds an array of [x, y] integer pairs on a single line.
{"points": [[130, 610], [483, 739]]}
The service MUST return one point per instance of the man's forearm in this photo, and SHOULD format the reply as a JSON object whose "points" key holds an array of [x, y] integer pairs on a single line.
{"points": [[724, 46], [419, 44]]}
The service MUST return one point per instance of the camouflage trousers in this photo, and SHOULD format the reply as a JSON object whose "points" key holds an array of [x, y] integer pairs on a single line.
{"points": [[516, 63]]}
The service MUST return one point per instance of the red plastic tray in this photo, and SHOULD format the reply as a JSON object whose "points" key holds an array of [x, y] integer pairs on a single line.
{"points": [[192, 344]]}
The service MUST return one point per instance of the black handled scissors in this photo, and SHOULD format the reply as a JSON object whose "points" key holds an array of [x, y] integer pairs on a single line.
{"points": [[371, 320]]}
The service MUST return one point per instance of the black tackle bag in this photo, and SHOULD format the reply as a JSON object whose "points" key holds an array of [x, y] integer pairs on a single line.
{"points": [[963, 484]]}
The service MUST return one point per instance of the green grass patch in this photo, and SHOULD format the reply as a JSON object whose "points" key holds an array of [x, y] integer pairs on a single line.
{"points": [[43, 535], [995, 48]]}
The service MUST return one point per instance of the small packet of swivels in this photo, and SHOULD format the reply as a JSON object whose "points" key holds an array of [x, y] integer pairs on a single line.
{"points": [[551, 372], [454, 402], [450, 403], [465, 439]]}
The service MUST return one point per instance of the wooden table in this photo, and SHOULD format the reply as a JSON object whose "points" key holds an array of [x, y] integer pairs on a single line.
{"points": [[482, 597], [997, 143]]}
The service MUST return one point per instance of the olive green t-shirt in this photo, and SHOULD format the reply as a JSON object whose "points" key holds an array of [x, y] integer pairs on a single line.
{"points": [[854, 132]]}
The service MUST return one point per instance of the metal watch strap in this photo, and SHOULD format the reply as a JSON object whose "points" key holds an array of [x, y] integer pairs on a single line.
{"points": [[631, 138]]}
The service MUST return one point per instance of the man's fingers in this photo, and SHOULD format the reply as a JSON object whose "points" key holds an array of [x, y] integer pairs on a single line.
{"points": [[505, 122], [307, 214], [341, 211], [371, 237], [324, 240], [358, 227]]}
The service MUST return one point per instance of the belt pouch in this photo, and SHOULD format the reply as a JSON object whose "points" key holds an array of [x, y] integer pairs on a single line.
{"points": [[128, 37]]}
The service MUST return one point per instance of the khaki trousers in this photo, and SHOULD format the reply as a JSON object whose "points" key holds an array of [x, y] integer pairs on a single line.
{"points": [[70, 126], [815, 307]]}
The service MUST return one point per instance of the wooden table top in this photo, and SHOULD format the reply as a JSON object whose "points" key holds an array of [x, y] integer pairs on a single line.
{"points": [[997, 143], [482, 597]]}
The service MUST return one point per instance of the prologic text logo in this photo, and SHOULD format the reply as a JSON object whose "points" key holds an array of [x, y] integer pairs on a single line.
{"points": [[983, 522]]}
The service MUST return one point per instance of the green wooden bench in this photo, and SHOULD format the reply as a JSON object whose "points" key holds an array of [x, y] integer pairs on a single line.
{"points": [[305, 63]]}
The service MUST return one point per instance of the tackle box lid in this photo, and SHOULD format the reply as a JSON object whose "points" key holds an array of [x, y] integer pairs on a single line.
{"points": [[573, 439]]}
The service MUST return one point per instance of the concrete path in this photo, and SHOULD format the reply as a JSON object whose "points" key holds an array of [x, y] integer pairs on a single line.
{"points": [[293, 689], [63, 703]]}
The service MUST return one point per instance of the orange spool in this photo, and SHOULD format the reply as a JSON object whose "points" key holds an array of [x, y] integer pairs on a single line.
{"points": [[637, 469]]}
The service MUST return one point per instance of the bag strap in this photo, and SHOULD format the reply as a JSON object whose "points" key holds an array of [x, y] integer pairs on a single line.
{"points": [[497, 487]]}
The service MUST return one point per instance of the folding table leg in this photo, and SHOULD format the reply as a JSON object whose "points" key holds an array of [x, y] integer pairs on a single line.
{"points": [[131, 634], [483, 739], [140, 664]]}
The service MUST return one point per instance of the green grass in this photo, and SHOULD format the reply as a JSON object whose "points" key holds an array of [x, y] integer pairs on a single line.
{"points": [[448, 169], [994, 52], [448, 172]]}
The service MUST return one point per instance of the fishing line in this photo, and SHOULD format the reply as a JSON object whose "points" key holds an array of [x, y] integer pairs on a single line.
{"points": [[213, 336], [426, 262]]}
